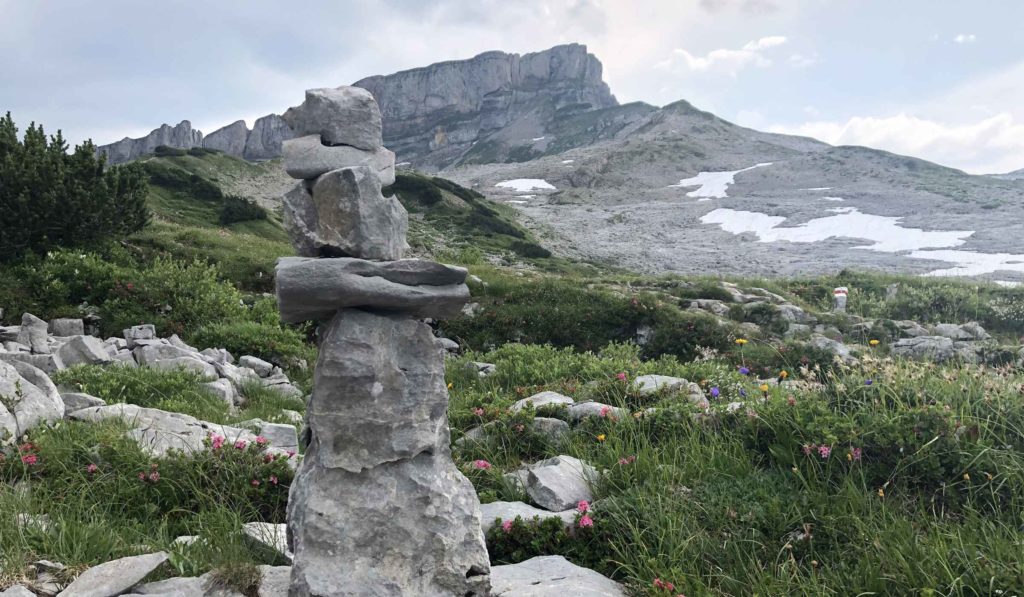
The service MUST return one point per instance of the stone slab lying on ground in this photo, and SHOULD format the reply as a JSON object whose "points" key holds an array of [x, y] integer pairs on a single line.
{"points": [[115, 577], [542, 399], [67, 327], [311, 289], [560, 483], [552, 429], [75, 401], [188, 363], [489, 513], [585, 410], [551, 576], [158, 431], [261, 367], [649, 384]]}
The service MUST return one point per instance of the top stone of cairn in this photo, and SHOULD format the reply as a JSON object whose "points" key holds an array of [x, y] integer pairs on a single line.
{"points": [[342, 116]]}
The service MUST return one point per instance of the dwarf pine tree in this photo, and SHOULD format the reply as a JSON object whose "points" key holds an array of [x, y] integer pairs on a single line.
{"points": [[51, 198]]}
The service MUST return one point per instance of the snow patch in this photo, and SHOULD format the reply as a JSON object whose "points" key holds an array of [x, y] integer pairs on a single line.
{"points": [[513, 202], [886, 233], [568, 161], [832, 199], [818, 189], [522, 185], [538, 139], [713, 185], [970, 263]]}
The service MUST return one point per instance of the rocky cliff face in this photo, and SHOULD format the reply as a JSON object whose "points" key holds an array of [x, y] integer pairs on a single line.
{"points": [[126, 149], [434, 115], [501, 106], [263, 142]]}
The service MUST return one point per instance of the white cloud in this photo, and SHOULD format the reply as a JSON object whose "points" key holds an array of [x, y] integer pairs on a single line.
{"points": [[965, 38], [993, 144], [724, 60]]}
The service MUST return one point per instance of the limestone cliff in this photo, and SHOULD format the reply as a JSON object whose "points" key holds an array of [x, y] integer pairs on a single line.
{"points": [[433, 115], [126, 149]]}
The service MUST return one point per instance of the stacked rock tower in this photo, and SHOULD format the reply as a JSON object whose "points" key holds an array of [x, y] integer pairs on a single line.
{"points": [[377, 506]]}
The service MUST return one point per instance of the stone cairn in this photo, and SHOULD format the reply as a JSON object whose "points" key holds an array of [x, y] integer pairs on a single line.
{"points": [[377, 506]]}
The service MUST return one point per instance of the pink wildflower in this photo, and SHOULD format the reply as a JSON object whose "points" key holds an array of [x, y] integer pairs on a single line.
{"points": [[154, 477], [583, 506], [791, 401], [142, 476], [255, 482], [824, 451], [273, 479], [664, 585], [481, 464], [478, 411], [92, 468], [856, 453], [25, 447], [240, 444], [605, 410], [621, 376], [807, 449], [506, 526], [586, 522], [29, 459], [627, 460], [216, 442], [261, 441], [291, 453], [268, 458]]}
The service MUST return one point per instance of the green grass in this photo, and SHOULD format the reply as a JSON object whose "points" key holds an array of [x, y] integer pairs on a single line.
{"points": [[717, 506]]}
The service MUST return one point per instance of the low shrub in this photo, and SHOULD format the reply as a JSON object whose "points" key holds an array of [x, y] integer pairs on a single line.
{"points": [[240, 209], [164, 151]]}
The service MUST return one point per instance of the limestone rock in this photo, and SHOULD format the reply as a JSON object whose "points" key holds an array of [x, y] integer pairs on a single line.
{"points": [[649, 384], [837, 348], [315, 288], [933, 348], [181, 136], [542, 399], [67, 327], [188, 363], [342, 116], [424, 538], [159, 431], [551, 429], [47, 363], [559, 483], [387, 370], [23, 404], [274, 581], [229, 139], [952, 331], [583, 410], [217, 355], [75, 401], [223, 389], [115, 577], [148, 354], [551, 576], [265, 140], [139, 332], [261, 367], [33, 334], [238, 376], [491, 513], [280, 435], [308, 158], [83, 350], [17, 591], [352, 218]]}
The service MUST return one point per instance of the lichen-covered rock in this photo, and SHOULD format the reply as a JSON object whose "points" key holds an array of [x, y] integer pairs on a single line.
{"points": [[115, 577], [410, 527], [310, 289], [342, 116]]}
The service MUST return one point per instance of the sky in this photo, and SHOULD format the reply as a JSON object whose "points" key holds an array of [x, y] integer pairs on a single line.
{"points": [[938, 79]]}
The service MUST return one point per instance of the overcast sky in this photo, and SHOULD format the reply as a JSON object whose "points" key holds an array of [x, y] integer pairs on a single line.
{"points": [[938, 79]]}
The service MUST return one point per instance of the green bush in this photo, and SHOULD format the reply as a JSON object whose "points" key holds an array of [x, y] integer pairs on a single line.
{"points": [[54, 199], [240, 209], [414, 191], [530, 250], [165, 151], [268, 341]]}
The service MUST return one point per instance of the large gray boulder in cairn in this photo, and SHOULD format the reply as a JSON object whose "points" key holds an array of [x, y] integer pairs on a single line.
{"points": [[377, 506]]}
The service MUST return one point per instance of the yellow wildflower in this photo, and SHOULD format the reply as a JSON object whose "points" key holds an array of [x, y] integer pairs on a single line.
{"points": [[873, 342], [881, 492], [741, 341], [600, 438], [450, 385], [784, 374], [764, 387], [967, 477]]}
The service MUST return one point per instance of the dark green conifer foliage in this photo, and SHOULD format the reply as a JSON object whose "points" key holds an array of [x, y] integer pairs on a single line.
{"points": [[50, 198]]}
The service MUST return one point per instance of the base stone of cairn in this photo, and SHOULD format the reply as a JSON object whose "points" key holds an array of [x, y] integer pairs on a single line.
{"points": [[377, 506]]}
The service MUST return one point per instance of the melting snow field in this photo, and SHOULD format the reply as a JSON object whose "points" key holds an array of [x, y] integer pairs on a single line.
{"points": [[832, 199], [885, 232], [523, 185], [818, 189], [969, 263], [568, 161], [713, 185]]}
